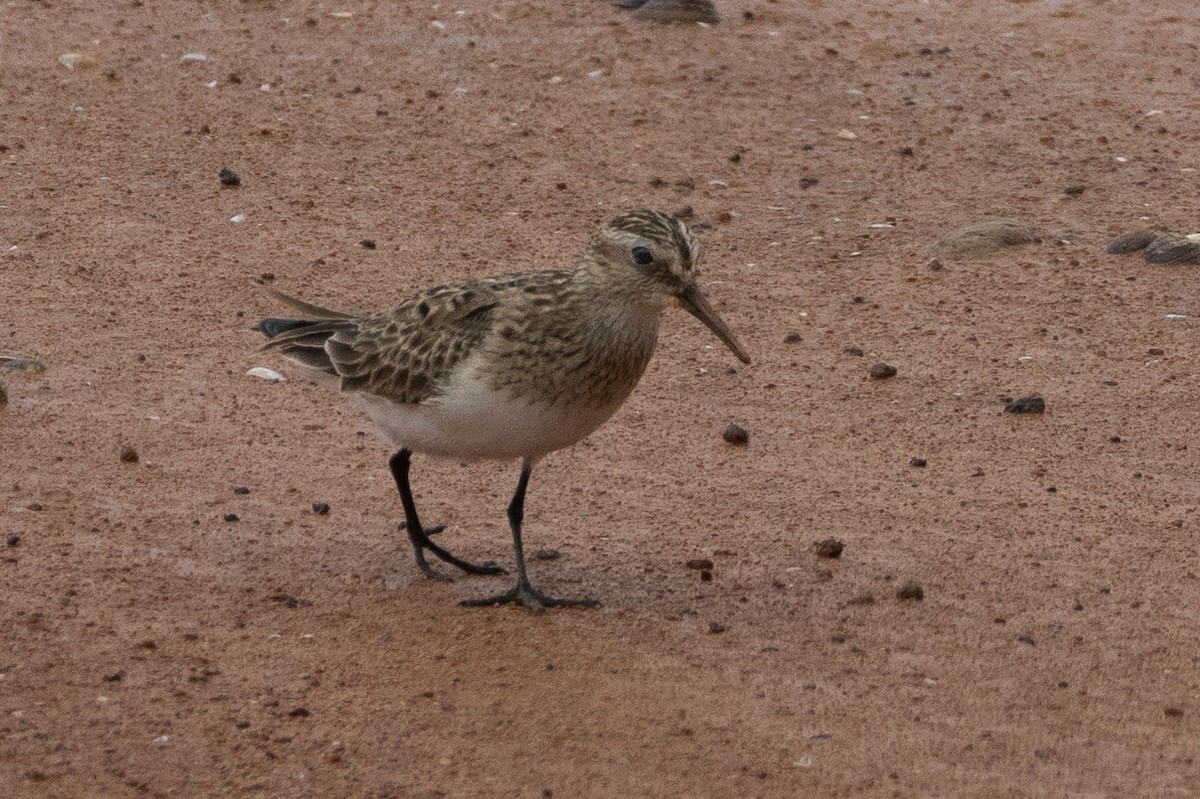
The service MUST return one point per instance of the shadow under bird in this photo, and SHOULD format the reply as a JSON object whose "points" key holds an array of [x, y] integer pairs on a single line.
{"points": [[507, 367]]}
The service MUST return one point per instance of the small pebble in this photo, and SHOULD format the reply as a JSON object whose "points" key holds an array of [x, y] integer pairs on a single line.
{"points": [[1172, 248], [77, 60], [3, 396], [320, 508], [231, 517], [705, 576], [736, 435], [299, 713], [919, 463], [266, 374], [546, 554], [1027, 639], [117, 677], [882, 371], [678, 11], [910, 592], [1173, 712], [13, 540], [241, 491], [715, 627], [792, 338], [1073, 191], [701, 564], [829, 548], [229, 178], [857, 352], [367, 244], [129, 455], [1156, 351], [18, 364], [985, 237], [1031, 404], [1132, 242]]}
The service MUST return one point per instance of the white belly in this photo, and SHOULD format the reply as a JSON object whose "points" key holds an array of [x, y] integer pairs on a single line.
{"points": [[470, 425]]}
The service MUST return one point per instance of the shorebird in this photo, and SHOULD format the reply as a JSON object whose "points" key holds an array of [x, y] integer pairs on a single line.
{"points": [[508, 367]]}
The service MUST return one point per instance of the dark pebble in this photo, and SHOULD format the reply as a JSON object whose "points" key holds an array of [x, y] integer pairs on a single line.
{"points": [[857, 352], [700, 564], [1073, 191], [1156, 351], [919, 463], [715, 627], [299, 713], [882, 371], [1172, 248], [1115, 439], [14, 540], [242, 725], [367, 244], [231, 517], [1132, 242], [1173, 712], [793, 338], [910, 592], [678, 11], [1027, 639], [705, 576], [287, 599], [546, 554], [1026, 405], [829, 548], [241, 491], [117, 677], [736, 435], [320, 508], [129, 455], [229, 177]]}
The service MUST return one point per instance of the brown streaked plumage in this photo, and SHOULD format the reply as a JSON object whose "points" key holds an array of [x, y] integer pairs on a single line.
{"points": [[514, 366]]}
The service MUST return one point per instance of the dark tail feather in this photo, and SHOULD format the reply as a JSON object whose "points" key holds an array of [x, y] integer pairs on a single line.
{"points": [[303, 340], [273, 327]]}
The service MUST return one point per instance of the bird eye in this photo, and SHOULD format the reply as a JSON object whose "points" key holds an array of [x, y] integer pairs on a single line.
{"points": [[642, 256]]}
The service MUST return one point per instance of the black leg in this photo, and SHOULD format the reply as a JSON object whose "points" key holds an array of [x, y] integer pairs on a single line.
{"points": [[419, 535], [523, 592]]}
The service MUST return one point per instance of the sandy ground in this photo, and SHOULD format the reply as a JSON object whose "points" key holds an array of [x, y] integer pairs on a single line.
{"points": [[150, 647]]}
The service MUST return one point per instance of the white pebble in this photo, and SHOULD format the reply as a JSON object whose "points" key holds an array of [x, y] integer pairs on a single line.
{"points": [[848, 135], [212, 84], [237, 219], [437, 23], [267, 374], [162, 740], [194, 57]]}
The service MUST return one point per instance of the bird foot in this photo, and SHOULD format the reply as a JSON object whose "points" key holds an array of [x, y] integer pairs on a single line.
{"points": [[527, 596], [421, 542]]}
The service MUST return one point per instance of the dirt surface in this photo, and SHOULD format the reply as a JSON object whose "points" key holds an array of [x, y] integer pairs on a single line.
{"points": [[152, 645]]}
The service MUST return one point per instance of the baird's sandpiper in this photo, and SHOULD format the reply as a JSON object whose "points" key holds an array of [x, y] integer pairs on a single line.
{"points": [[514, 366]]}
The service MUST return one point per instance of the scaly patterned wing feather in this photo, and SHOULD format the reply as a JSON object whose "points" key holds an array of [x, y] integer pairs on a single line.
{"points": [[407, 355]]}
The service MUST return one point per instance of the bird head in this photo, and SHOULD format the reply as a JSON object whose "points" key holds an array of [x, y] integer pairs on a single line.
{"points": [[657, 255]]}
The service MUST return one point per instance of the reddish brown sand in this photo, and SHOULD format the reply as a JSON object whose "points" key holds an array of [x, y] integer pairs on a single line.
{"points": [[149, 647]]}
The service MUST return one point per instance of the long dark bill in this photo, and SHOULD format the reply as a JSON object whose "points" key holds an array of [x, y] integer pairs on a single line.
{"points": [[695, 303]]}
